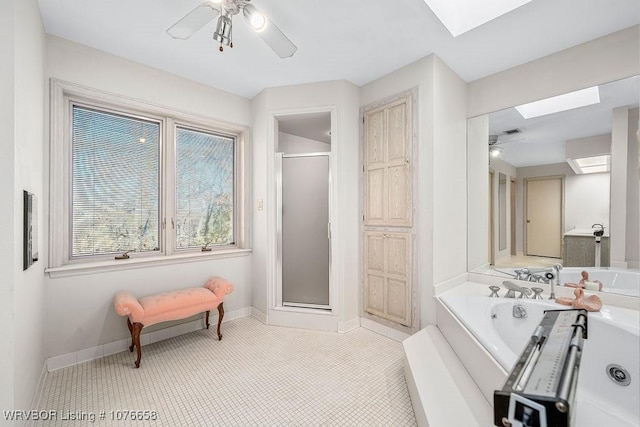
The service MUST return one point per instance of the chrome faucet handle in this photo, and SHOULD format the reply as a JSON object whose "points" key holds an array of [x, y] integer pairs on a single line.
{"points": [[555, 280], [537, 293], [494, 291]]}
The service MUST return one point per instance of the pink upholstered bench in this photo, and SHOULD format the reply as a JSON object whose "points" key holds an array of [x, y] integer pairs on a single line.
{"points": [[167, 306]]}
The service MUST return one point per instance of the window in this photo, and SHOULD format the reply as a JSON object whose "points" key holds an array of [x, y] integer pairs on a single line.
{"points": [[115, 183], [204, 189], [136, 178]]}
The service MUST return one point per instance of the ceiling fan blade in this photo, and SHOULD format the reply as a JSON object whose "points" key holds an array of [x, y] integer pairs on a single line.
{"points": [[277, 41], [192, 21]]}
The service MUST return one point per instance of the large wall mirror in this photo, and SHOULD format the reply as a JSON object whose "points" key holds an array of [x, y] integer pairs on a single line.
{"points": [[545, 178]]}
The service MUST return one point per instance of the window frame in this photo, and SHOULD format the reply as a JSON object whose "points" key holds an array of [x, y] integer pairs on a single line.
{"points": [[63, 96]]}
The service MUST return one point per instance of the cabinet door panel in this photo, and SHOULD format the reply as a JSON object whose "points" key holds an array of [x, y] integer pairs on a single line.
{"points": [[374, 249], [397, 143], [398, 302], [374, 196], [375, 295], [375, 136], [399, 206], [397, 251]]}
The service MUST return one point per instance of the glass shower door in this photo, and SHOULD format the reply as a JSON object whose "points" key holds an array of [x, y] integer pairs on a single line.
{"points": [[304, 230]]}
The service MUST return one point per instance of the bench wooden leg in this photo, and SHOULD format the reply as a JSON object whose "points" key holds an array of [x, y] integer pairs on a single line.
{"points": [[130, 326], [207, 319], [137, 328], [220, 316]]}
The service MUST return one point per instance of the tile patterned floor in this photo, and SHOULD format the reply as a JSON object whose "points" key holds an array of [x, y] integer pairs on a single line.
{"points": [[257, 375], [526, 261]]}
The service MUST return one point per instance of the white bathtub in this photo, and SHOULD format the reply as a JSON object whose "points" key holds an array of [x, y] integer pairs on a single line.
{"points": [[614, 280], [614, 338]]}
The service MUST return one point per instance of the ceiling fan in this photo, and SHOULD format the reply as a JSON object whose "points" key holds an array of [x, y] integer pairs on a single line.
{"points": [[227, 9], [495, 141]]}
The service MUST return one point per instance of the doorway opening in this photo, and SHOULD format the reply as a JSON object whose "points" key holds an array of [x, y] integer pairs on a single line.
{"points": [[303, 180], [544, 215]]}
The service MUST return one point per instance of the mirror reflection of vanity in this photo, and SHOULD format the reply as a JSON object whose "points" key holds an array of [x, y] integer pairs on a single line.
{"points": [[542, 187]]}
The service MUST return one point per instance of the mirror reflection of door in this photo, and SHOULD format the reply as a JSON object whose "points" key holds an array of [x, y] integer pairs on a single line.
{"points": [[492, 255], [512, 220], [502, 211], [544, 217]]}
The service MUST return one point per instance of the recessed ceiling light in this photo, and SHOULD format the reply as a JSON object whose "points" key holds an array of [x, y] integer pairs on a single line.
{"points": [[555, 104], [460, 16]]}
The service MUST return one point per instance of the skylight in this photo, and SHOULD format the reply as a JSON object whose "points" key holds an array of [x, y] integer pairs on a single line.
{"points": [[593, 164], [460, 16], [555, 104]]}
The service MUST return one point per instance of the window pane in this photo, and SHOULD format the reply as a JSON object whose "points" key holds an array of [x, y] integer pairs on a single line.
{"points": [[204, 189], [115, 183]]}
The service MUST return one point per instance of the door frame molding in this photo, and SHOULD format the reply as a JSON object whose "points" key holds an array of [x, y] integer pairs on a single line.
{"points": [[320, 319], [526, 209]]}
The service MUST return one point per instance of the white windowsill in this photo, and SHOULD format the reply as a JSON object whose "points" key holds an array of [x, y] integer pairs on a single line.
{"points": [[142, 262]]}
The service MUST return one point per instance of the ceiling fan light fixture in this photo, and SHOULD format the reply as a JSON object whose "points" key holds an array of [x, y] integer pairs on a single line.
{"points": [[254, 18], [223, 30], [495, 151]]}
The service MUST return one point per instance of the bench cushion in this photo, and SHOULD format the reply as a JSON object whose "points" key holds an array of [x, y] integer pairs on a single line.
{"points": [[172, 305], [177, 305]]}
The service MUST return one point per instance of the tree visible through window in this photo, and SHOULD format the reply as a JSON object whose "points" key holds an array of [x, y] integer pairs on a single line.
{"points": [[204, 188], [115, 190]]}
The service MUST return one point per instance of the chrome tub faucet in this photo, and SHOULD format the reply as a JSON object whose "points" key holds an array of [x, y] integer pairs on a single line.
{"points": [[512, 288]]}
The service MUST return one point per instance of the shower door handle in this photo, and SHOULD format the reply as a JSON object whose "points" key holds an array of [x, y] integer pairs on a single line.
{"points": [[329, 230]]}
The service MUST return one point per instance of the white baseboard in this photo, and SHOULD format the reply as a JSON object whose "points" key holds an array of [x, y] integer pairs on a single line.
{"points": [[97, 352], [37, 395], [384, 330], [349, 325], [259, 315]]}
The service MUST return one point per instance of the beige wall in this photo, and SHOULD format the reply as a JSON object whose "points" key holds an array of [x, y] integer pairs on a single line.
{"points": [[449, 173], [79, 309], [8, 260], [29, 292]]}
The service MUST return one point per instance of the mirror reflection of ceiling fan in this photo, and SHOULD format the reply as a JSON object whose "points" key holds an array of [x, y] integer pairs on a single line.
{"points": [[227, 9], [506, 137]]}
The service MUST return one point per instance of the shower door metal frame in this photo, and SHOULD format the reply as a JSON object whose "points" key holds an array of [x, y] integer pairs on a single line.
{"points": [[278, 174]]}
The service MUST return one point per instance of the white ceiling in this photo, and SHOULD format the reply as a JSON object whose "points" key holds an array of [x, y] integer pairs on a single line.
{"points": [[542, 140], [356, 40]]}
